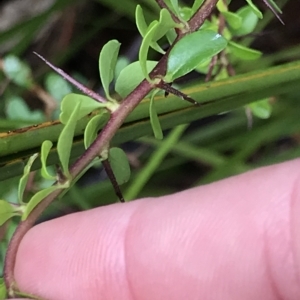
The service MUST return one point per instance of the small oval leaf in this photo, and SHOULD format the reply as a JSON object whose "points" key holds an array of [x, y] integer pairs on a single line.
{"points": [[140, 21], [233, 19], [243, 52], [192, 50], [144, 48], [57, 86], [261, 109], [18, 71], [45, 149], [107, 64], [155, 124], [87, 105], [65, 140], [255, 9], [93, 126], [249, 21], [17, 109], [119, 164], [131, 76], [38, 197], [24, 178]]}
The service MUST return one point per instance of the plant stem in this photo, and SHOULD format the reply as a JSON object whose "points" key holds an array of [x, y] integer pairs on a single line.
{"points": [[103, 139], [162, 4], [202, 14]]}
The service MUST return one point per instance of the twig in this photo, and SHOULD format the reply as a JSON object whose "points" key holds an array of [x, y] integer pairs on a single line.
{"points": [[162, 4], [109, 172], [202, 14], [103, 139]]}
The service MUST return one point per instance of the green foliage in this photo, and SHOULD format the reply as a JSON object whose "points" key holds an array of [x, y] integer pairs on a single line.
{"points": [[87, 105], [243, 52], [107, 64], [155, 124], [7, 211], [119, 164], [17, 109], [261, 109], [39, 196], [93, 126], [154, 32], [45, 150], [18, 71], [131, 76], [207, 146], [24, 179], [192, 50], [248, 21], [255, 9], [3, 291], [65, 140]]}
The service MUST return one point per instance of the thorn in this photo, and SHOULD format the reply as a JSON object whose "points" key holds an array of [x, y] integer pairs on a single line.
{"points": [[112, 178], [169, 89], [74, 82], [273, 10]]}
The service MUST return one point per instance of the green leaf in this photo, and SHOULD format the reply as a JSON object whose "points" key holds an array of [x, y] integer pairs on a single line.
{"points": [[233, 19], [171, 36], [45, 149], [175, 7], [93, 126], [122, 63], [275, 6], [154, 119], [192, 50], [162, 26], [38, 197], [143, 53], [87, 105], [17, 109], [24, 179], [243, 52], [249, 21], [57, 87], [107, 64], [131, 76], [155, 31], [140, 21], [261, 109], [65, 140], [7, 211], [119, 163], [255, 9], [165, 23], [17, 71], [3, 291], [196, 5]]}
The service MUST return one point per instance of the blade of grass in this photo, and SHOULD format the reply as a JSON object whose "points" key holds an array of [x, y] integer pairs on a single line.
{"points": [[153, 162]]}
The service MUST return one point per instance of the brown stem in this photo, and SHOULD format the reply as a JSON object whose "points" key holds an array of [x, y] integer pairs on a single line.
{"points": [[162, 4], [202, 14], [103, 139], [110, 174]]}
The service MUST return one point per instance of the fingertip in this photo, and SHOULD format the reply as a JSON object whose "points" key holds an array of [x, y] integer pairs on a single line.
{"points": [[227, 240]]}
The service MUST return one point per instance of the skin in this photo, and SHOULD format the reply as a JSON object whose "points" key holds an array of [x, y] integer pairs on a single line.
{"points": [[238, 238]]}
